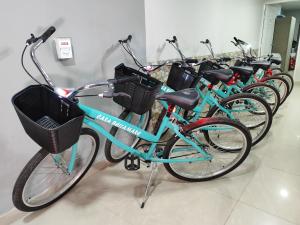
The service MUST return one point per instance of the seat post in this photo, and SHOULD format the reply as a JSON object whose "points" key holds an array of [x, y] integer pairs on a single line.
{"points": [[170, 109]]}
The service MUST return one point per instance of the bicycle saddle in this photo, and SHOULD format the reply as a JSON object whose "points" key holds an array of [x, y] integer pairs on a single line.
{"points": [[214, 76], [275, 61], [246, 71], [186, 98], [260, 65]]}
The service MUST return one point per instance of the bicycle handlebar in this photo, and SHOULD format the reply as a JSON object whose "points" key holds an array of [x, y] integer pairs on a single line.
{"points": [[126, 40], [239, 41], [205, 42], [235, 44], [47, 33], [191, 60], [173, 40]]}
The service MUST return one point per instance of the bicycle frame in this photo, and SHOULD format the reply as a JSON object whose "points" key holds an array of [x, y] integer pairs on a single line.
{"points": [[93, 114]]}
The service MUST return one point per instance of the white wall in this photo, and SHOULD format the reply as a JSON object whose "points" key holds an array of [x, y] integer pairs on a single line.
{"points": [[270, 14], [94, 25], [195, 20]]}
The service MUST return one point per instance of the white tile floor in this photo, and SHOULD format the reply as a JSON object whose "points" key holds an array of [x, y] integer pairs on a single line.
{"points": [[264, 190]]}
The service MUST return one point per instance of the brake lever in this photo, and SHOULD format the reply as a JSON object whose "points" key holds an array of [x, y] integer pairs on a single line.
{"points": [[129, 38], [31, 40]]}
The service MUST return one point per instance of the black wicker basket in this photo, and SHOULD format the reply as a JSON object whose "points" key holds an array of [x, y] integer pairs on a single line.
{"points": [[182, 77], [142, 92], [51, 121]]}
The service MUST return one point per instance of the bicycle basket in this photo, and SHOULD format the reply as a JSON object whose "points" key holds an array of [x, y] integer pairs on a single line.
{"points": [[142, 92], [51, 121], [182, 77]]}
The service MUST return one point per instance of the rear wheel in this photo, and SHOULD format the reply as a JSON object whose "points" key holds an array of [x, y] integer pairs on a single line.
{"points": [[276, 70], [46, 178], [249, 109], [281, 86], [226, 133], [267, 92], [288, 78], [113, 153]]}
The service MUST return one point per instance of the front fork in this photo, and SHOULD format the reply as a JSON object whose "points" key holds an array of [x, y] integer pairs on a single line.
{"points": [[61, 163]]}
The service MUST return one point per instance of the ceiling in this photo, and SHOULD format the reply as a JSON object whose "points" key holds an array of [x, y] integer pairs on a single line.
{"points": [[292, 5]]}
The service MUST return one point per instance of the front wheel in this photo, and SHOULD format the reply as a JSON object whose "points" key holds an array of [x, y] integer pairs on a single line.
{"points": [[225, 133], [288, 78], [249, 109], [276, 70], [267, 92], [281, 86], [46, 177]]}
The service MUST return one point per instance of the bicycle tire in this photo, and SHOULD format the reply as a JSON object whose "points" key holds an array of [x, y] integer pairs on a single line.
{"points": [[284, 82], [208, 121], [288, 78], [267, 108], [277, 68], [17, 195], [276, 94]]}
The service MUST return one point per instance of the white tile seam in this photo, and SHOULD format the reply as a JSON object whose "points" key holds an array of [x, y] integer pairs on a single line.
{"points": [[231, 211], [262, 210]]}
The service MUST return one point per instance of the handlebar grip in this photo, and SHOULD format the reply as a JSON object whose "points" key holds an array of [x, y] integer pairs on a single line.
{"points": [[47, 33], [191, 60], [236, 40], [129, 37]]}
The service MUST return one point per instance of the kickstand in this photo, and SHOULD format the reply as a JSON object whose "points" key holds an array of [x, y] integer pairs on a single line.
{"points": [[154, 168]]}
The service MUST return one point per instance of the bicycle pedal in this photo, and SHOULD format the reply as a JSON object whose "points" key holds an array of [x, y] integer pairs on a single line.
{"points": [[132, 162], [159, 152]]}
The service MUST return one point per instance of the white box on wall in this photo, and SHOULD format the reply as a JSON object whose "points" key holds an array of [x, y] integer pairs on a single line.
{"points": [[64, 48]]}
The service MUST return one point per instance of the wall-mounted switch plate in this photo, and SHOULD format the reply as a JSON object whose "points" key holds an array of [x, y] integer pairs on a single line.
{"points": [[64, 48]]}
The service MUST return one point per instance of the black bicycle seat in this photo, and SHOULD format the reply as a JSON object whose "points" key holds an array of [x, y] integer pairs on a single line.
{"points": [[261, 65], [186, 98], [215, 76], [275, 61]]}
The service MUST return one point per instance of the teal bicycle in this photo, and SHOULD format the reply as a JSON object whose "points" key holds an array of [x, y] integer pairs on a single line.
{"points": [[249, 79], [53, 118], [249, 109], [263, 72]]}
